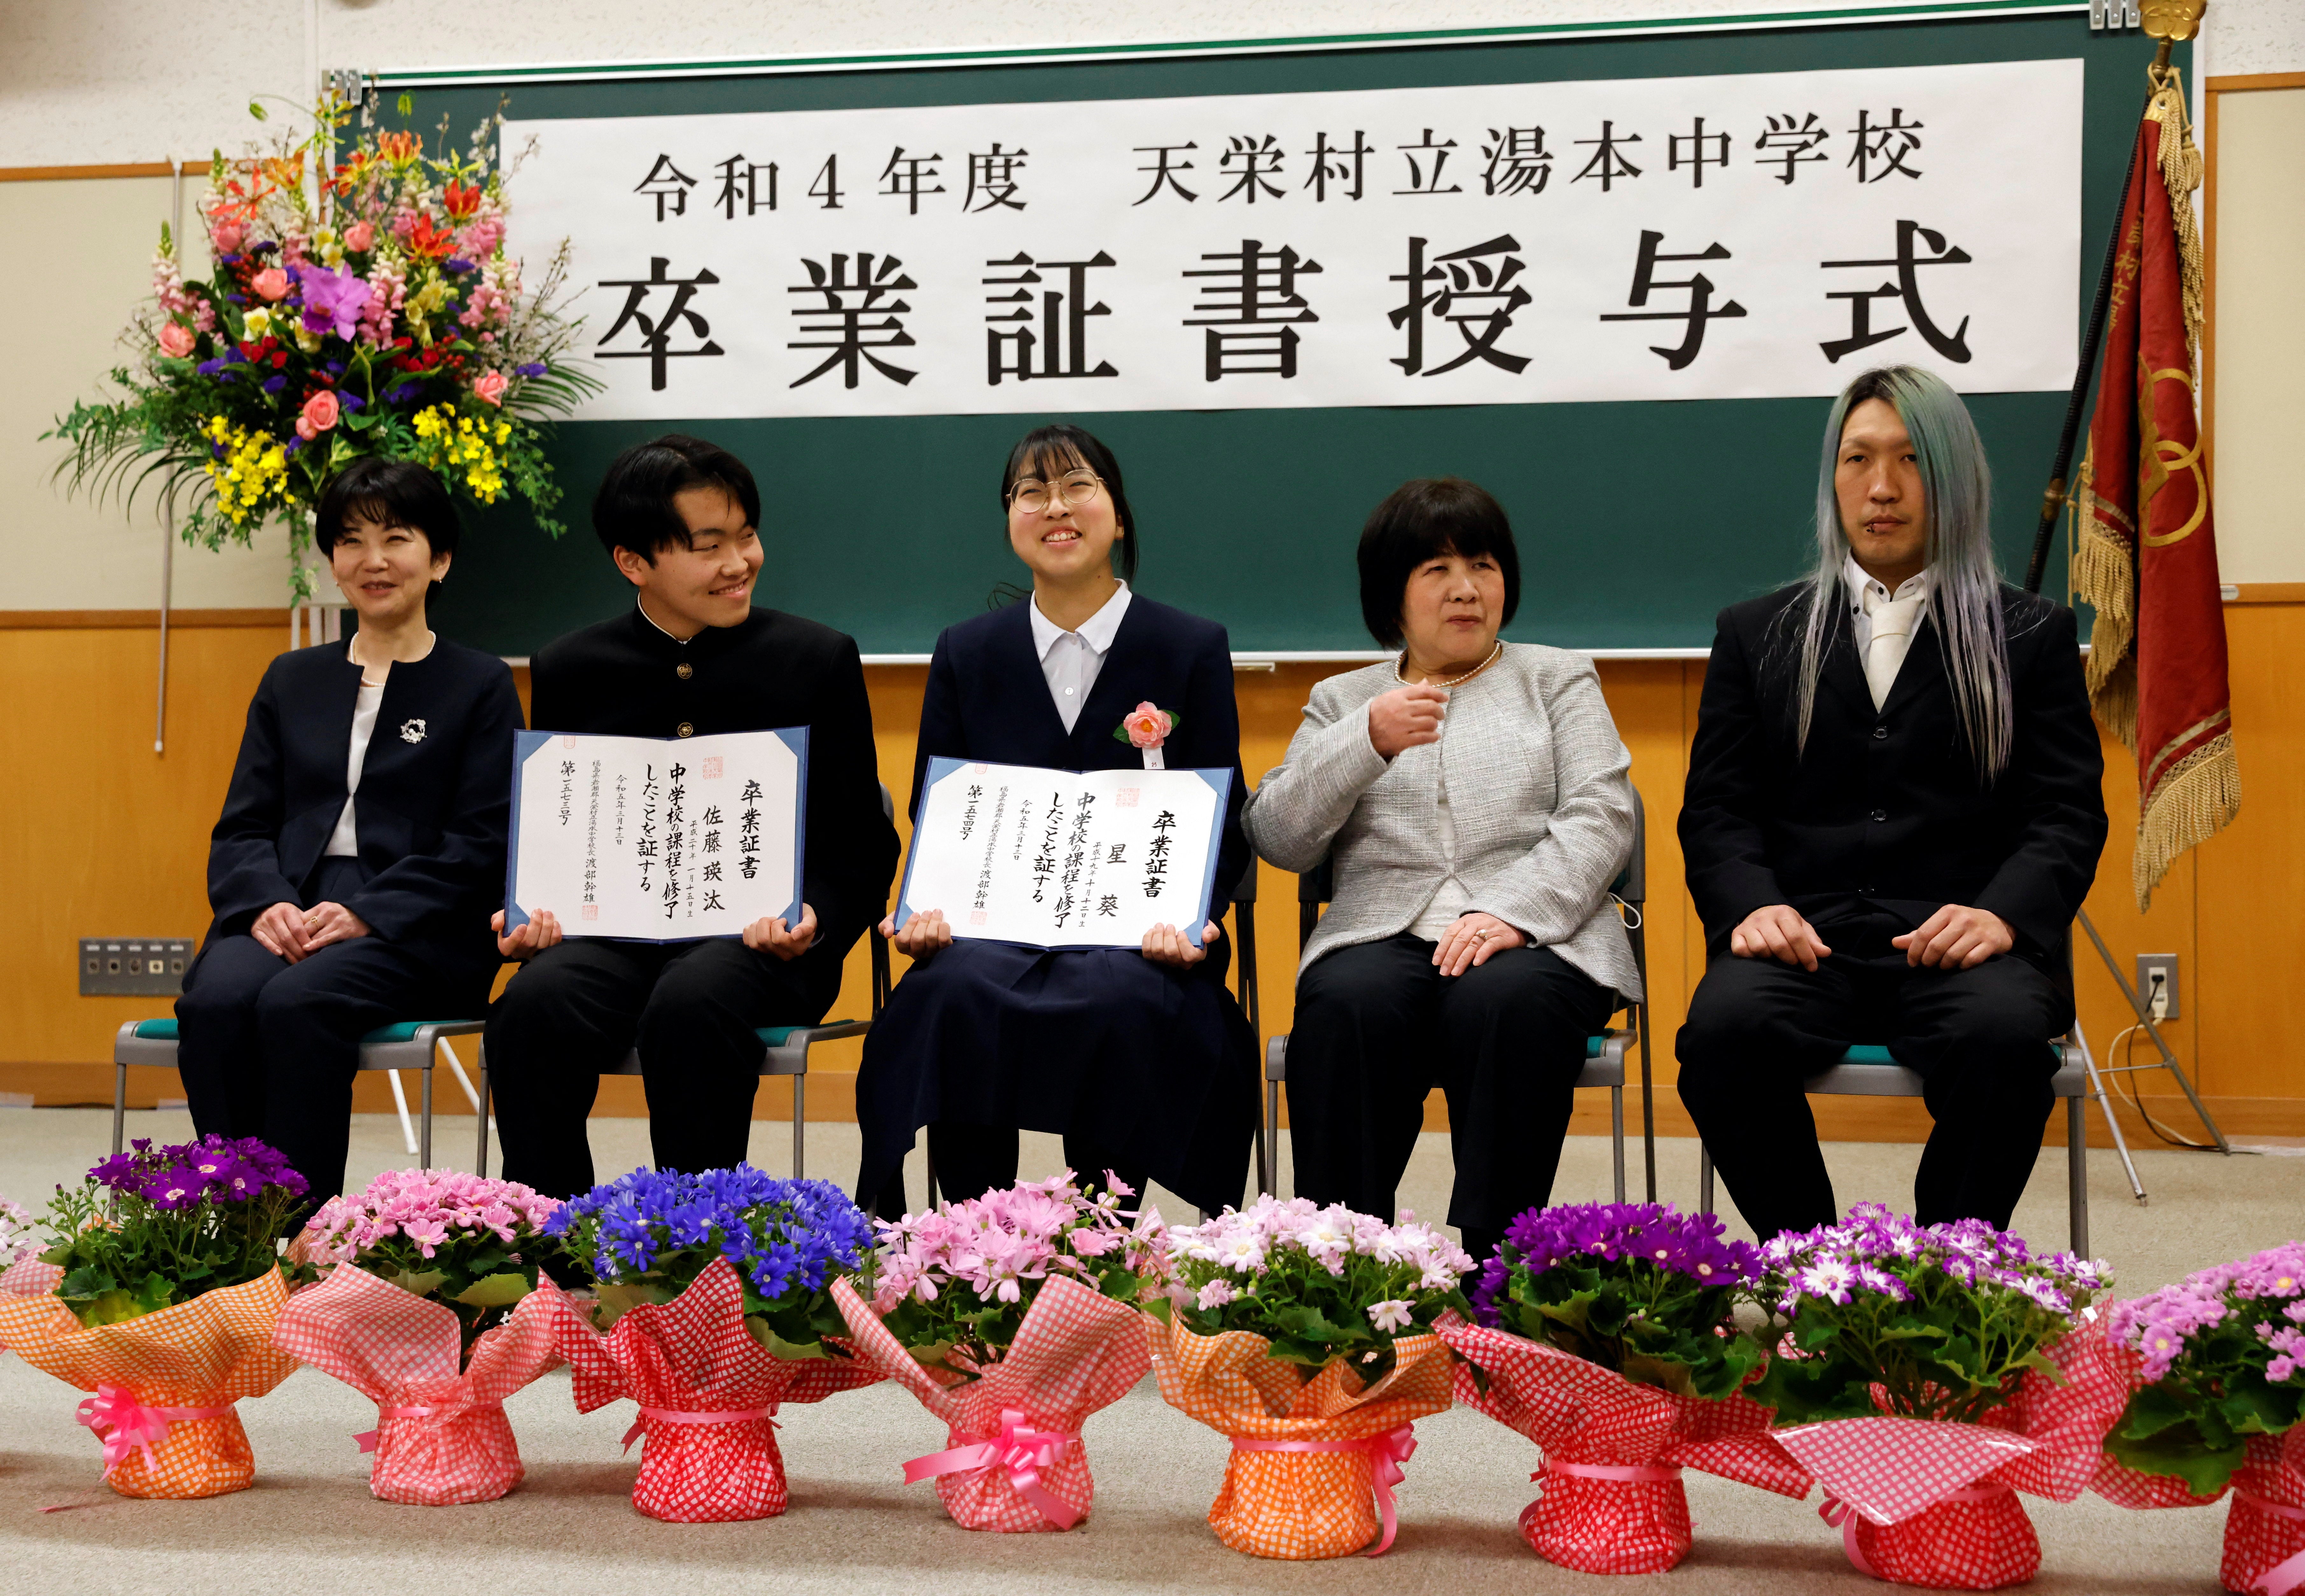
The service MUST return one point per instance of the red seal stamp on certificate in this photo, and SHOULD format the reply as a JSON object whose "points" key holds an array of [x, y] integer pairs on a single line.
{"points": [[711, 768], [978, 917], [591, 911], [1125, 797]]}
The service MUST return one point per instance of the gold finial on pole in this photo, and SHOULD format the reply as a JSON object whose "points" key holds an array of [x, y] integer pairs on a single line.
{"points": [[2170, 22]]}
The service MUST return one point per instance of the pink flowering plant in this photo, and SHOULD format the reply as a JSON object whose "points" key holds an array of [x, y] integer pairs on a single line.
{"points": [[18, 1240], [1637, 1287], [358, 302], [1322, 1285], [954, 1285], [1879, 1315], [470, 1244], [2223, 1358]]}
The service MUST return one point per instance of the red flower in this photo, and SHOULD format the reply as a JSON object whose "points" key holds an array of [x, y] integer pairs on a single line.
{"points": [[463, 199], [423, 238]]}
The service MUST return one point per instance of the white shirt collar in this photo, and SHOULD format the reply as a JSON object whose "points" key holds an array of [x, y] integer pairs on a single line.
{"points": [[651, 620], [1855, 577], [1097, 632]]}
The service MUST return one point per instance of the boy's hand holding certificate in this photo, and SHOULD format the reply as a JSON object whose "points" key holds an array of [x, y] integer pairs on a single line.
{"points": [[1060, 859], [656, 839]]}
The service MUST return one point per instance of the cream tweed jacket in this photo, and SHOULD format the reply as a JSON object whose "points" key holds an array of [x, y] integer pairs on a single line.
{"points": [[1538, 792]]}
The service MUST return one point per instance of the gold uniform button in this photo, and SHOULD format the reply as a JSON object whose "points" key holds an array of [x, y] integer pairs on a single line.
{"points": [[685, 730], [683, 670]]}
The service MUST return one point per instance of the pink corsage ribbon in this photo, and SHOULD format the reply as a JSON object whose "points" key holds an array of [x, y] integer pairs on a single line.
{"points": [[2283, 1578], [674, 1415], [1022, 1452], [1843, 1517], [126, 1425], [1387, 1453], [1645, 1473], [366, 1440]]}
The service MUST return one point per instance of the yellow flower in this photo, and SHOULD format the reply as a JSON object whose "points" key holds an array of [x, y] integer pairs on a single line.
{"points": [[257, 322], [253, 469]]}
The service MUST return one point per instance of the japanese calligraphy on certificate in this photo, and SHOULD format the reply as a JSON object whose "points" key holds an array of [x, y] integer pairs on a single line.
{"points": [[657, 840], [1060, 859], [1746, 235]]}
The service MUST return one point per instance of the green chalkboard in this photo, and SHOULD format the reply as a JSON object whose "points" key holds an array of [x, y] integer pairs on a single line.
{"points": [[1637, 521]]}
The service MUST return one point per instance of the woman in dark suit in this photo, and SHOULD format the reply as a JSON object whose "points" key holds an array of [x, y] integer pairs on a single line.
{"points": [[363, 841], [1139, 1057]]}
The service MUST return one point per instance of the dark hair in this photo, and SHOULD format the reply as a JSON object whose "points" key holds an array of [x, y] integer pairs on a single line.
{"points": [[634, 509], [1048, 452], [396, 492], [1421, 520]]}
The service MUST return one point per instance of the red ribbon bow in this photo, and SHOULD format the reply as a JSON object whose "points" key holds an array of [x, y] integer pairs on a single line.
{"points": [[1387, 1451], [1022, 1452], [126, 1425]]}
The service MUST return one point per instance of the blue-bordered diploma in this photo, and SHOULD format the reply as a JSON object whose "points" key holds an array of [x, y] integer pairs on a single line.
{"points": [[658, 839], [1063, 858]]}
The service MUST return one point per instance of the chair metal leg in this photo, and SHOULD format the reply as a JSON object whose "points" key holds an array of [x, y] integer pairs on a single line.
{"points": [[400, 1100], [119, 1106], [2077, 1171], [800, 1126], [1272, 1182], [424, 1149], [1617, 1136], [442, 1050], [1704, 1178], [480, 1113]]}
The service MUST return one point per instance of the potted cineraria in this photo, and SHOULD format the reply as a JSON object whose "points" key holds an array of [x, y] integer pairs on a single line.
{"points": [[1013, 1317]]}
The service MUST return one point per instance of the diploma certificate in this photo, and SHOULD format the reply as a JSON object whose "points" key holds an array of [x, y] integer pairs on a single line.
{"points": [[656, 839], [1062, 858]]}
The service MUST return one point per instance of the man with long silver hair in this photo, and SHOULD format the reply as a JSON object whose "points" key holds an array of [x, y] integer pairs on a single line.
{"points": [[1893, 811]]}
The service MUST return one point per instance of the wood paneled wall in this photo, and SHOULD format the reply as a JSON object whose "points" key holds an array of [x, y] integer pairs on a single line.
{"points": [[105, 838]]}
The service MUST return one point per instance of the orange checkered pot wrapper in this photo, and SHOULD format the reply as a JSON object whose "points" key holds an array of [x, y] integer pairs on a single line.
{"points": [[165, 1383], [441, 1437], [1931, 1502], [707, 1394], [1611, 1500], [1015, 1460], [1308, 1504]]}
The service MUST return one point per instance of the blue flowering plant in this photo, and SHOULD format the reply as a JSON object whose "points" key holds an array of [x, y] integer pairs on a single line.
{"points": [[154, 1227], [1637, 1287], [1879, 1314], [647, 1236]]}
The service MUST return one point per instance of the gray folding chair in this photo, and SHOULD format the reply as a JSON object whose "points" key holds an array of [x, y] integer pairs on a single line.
{"points": [[410, 1045], [1604, 1055], [1871, 1072]]}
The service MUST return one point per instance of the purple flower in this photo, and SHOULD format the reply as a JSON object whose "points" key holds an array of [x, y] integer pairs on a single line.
{"points": [[273, 384], [333, 301], [532, 368]]}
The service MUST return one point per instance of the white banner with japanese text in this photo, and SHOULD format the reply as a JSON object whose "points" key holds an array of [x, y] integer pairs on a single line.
{"points": [[1739, 236]]}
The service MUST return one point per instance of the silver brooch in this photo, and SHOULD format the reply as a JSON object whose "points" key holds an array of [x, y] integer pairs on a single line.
{"points": [[412, 730]]}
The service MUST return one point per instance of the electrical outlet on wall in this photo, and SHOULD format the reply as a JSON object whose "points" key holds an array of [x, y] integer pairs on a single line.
{"points": [[2157, 970], [134, 967]]}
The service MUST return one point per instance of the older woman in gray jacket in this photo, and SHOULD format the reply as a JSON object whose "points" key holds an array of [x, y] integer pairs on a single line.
{"points": [[1472, 795]]}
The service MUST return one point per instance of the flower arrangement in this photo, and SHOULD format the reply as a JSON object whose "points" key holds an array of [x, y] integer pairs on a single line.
{"points": [[1604, 1335], [713, 1310], [164, 1308], [359, 302], [1306, 1335], [1013, 1317], [426, 1303], [18, 1240], [1930, 1370]]}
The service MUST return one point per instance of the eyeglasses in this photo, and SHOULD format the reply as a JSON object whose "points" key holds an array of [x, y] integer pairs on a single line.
{"points": [[1077, 488]]}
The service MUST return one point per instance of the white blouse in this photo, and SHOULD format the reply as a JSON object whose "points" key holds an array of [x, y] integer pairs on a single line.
{"points": [[343, 843]]}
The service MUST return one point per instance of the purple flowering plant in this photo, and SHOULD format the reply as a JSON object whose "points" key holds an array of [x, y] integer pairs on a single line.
{"points": [[1878, 1314], [647, 1236], [186, 1219], [2224, 1359], [1637, 1288]]}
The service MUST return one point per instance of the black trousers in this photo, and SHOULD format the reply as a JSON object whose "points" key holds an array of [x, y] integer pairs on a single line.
{"points": [[1378, 1027], [690, 1007], [1757, 1029], [268, 1048]]}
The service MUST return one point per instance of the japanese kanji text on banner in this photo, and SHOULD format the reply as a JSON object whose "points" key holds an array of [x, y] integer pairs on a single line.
{"points": [[656, 839], [1738, 236], [1060, 859]]}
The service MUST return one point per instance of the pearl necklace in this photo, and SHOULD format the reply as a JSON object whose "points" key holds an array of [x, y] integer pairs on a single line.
{"points": [[1453, 681]]}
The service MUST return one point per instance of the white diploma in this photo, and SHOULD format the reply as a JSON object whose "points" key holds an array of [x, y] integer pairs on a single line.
{"points": [[1064, 859], [656, 839]]}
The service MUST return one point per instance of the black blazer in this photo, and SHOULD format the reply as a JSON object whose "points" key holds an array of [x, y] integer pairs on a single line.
{"points": [[623, 678], [1884, 808], [435, 797], [987, 700]]}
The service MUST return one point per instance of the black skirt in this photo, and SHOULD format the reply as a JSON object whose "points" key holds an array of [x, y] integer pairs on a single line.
{"points": [[1155, 1065]]}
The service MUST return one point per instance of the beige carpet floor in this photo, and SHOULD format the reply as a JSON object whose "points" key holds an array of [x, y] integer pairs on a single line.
{"points": [[309, 1526]]}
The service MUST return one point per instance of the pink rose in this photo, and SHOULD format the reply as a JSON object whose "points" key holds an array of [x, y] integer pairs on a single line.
{"points": [[175, 340], [305, 430], [319, 414], [490, 386], [1147, 727], [272, 283], [360, 238], [228, 235]]}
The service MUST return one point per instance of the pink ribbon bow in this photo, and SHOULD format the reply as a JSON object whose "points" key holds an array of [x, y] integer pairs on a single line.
{"points": [[673, 1416], [1022, 1452], [126, 1425], [1843, 1517], [2283, 1578], [1387, 1453], [1646, 1473]]}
